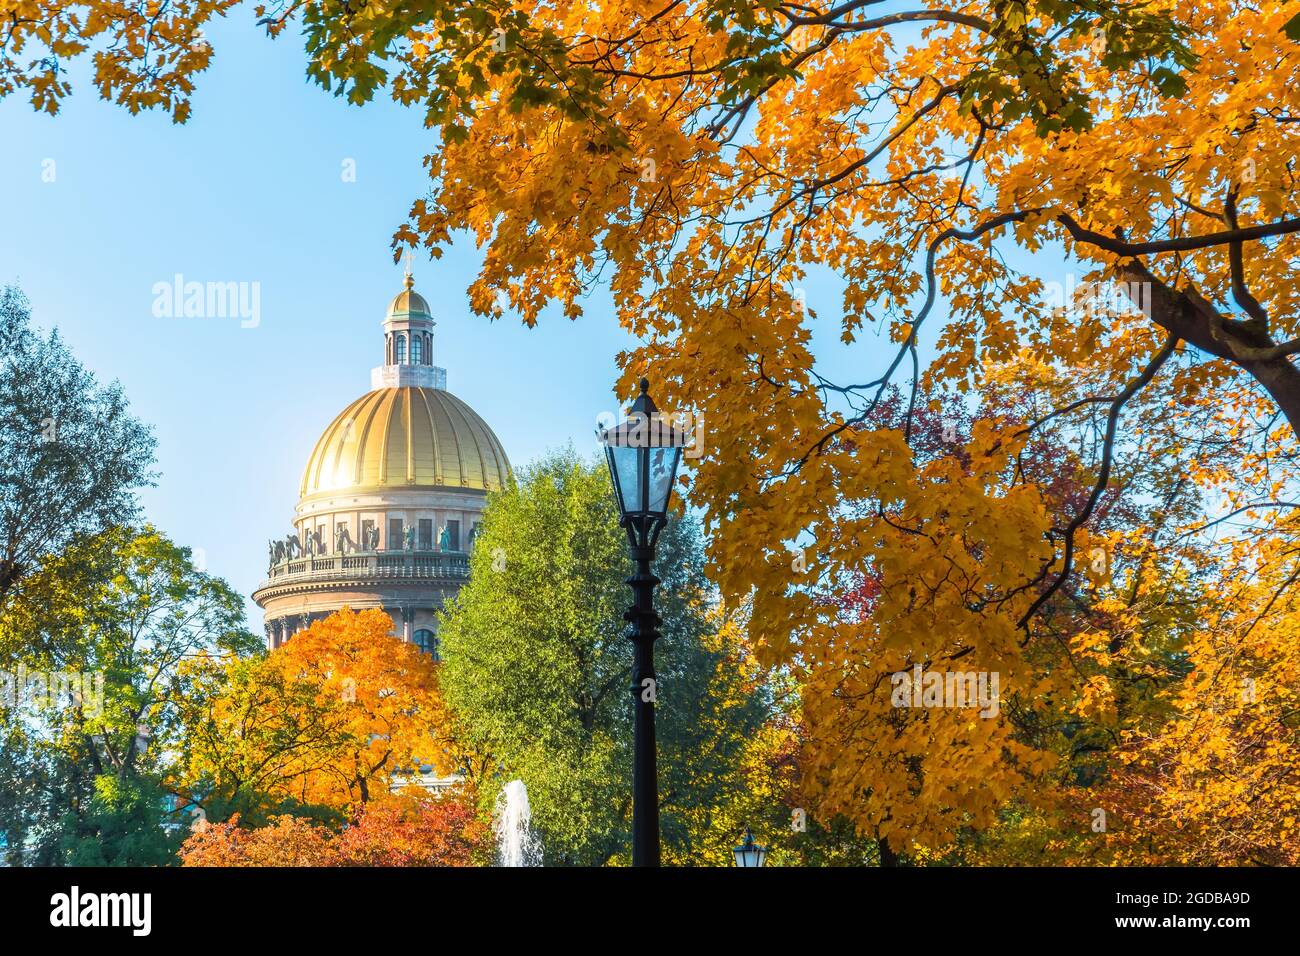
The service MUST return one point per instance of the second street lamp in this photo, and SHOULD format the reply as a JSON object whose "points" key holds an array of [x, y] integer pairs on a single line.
{"points": [[643, 453]]}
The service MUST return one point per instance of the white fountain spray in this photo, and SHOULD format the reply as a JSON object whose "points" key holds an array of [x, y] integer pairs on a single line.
{"points": [[517, 845]]}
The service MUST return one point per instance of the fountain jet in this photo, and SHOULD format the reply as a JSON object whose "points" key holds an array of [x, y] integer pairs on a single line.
{"points": [[517, 845]]}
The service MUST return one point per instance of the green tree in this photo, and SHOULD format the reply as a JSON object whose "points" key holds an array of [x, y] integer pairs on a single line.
{"points": [[71, 456], [126, 823], [537, 670], [110, 630]]}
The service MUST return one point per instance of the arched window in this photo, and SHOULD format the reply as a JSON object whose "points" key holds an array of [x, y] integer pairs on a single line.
{"points": [[417, 350], [400, 358], [427, 641]]}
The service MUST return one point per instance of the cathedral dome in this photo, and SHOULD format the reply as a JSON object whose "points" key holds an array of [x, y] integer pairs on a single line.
{"points": [[392, 498], [406, 437]]}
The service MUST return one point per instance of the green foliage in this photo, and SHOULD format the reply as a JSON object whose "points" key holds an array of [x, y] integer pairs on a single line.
{"points": [[70, 454], [127, 823], [1021, 72], [118, 615], [351, 48], [537, 668], [95, 617], [33, 779]]}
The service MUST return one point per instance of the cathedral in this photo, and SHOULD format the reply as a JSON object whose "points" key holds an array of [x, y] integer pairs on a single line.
{"points": [[391, 497]]}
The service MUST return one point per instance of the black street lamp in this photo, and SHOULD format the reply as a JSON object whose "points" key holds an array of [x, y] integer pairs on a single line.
{"points": [[750, 853], [643, 453]]}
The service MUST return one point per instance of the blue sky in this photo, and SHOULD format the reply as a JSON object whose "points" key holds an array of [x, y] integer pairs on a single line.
{"points": [[251, 190]]}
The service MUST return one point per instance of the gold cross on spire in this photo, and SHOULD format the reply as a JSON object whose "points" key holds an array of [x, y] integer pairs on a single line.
{"points": [[410, 280]]}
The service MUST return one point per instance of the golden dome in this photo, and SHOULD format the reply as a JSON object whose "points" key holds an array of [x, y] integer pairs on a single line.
{"points": [[408, 301], [406, 437]]}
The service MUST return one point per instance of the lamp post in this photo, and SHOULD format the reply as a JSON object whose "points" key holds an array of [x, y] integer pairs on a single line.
{"points": [[643, 453], [750, 853]]}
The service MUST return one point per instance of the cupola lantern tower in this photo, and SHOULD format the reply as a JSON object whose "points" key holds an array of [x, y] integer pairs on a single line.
{"points": [[408, 344]]}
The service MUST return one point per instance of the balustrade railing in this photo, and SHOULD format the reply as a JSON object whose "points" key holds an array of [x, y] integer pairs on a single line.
{"points": [[373, 564]]}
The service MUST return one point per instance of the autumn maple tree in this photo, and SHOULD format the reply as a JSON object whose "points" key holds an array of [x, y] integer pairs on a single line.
{"points": [[331, 719], [143, 53], [415, 831]]}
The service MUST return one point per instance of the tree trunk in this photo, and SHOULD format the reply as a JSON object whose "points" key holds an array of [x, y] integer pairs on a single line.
{"points": [[1189, 316], [887, 856], [10, 572]]}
